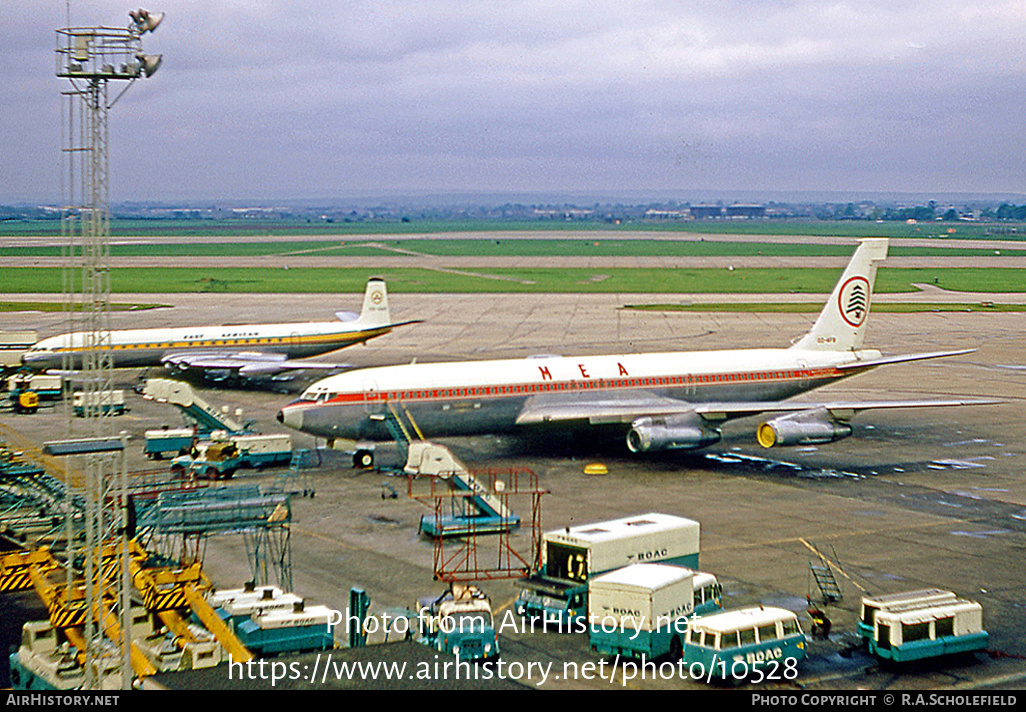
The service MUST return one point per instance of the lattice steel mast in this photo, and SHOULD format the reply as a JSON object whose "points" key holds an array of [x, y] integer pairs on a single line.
{"points": [[90, 58]]}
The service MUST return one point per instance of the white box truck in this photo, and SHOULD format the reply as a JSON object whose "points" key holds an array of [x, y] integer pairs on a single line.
{"points": [[557, 593], [641, 611]]}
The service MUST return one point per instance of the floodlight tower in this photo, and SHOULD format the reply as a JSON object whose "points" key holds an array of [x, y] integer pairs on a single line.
{"points": [[90, 58]]}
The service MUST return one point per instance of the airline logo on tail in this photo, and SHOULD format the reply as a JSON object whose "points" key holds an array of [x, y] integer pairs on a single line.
{"points": [[375, 305], [842, 323], [854, 301]]}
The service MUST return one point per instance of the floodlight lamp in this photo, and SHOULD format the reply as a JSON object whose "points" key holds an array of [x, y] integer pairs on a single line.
{"points": [[145, 21], [150, 63]]}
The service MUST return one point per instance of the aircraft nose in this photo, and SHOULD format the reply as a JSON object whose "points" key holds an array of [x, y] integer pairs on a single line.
{"points": [[291, 417]]}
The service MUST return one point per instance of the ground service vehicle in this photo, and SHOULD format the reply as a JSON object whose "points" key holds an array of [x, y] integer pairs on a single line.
{"points": [[293, 629], [929, 631], [459, 622], [162, 441], [871, 605], [106, 402], [558, 592], [219, 459], [758, 643], [641, 611], [26, 390], [708, 593]]}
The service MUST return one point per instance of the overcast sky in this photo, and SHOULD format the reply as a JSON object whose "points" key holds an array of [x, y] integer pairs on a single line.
{"points": [[264, 100]]}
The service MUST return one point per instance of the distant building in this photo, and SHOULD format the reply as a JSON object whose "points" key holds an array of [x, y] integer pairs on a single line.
{"points": [[706, 212], [654, 214], [745, 212]]}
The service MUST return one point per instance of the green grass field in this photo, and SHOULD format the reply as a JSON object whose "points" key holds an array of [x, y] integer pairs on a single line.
{"points": [[533, 247], [243, 227], [412, 280]]}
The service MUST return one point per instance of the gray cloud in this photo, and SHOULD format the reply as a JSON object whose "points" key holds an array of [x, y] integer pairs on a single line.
{"points": [[271, 99]]}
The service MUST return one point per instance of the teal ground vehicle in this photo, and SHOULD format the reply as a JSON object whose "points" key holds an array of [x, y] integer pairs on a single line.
{"points": [[163, 441], [871, 605], [220, 459], [929, 631], [557, 594], [755, 644], [105, 402], [290, 630], [459, 623], [708, 593], [641, 611]]}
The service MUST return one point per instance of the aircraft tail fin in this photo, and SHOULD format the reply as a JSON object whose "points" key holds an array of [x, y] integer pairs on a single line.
{"points": [[841, 326], [375, 304]]}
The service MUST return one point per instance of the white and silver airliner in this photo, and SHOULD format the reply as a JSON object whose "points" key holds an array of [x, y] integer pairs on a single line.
{"points": [[658, 401], [246, 350]]}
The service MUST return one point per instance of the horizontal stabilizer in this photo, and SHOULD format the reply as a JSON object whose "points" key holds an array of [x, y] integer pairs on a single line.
{"points": [[873, 363]]}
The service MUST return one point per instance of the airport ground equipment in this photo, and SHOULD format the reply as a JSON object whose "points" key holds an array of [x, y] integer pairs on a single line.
{"points": [[106, 402], [167, 590], [176, 524], [708, 593], [207, 418], [235, 605], [641, 611], [295, 629], [930, 630], [12, 345], [871, 605], [46, 385], [480, 511], [557, 591], [43, 663], [269, 621], [164, 441], [220, 457], [25, 390], [754, 644], [476, 512], [459, 622], [68, 606], [297, 480]]}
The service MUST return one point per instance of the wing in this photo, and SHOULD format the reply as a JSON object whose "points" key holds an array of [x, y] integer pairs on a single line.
{"points": [[655, 422], [246, 363], [640, 404]]}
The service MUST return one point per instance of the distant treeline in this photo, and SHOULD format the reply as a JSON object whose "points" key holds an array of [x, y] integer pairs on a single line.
{"points": [[931, 212]]}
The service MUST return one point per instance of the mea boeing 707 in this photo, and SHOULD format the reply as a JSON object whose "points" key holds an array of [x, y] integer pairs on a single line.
{"points": [[245, 350], [657, 401]]}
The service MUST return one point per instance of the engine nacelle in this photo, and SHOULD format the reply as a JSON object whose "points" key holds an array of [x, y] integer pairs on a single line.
{"points": [[805, 428], [683, 432]]}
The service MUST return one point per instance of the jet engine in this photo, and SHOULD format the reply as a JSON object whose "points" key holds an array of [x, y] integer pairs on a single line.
{"points": [[681, 432], [805, 428]]}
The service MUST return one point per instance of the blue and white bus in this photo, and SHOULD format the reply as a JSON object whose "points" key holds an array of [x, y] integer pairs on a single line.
{"points": [[755, 644], [929, 631], [896, 601]]}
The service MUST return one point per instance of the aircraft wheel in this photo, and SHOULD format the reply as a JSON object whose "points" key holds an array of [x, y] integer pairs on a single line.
{"points": [[363, 459]]}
